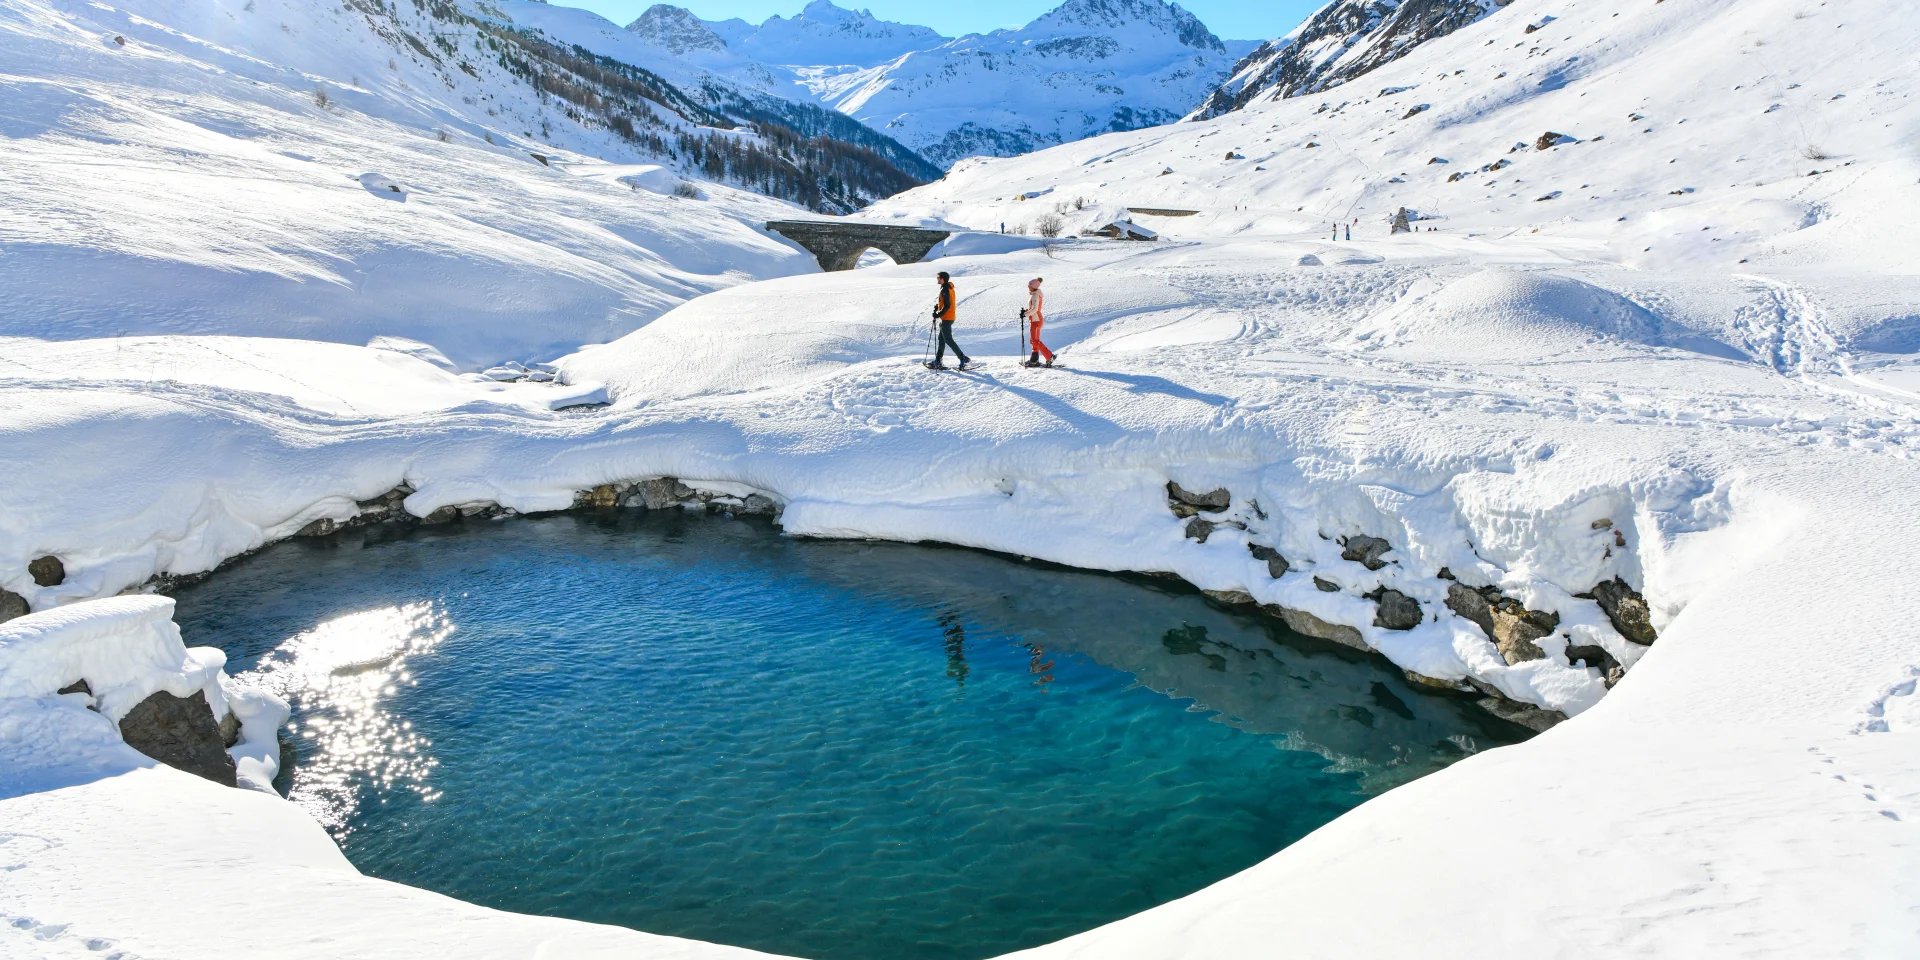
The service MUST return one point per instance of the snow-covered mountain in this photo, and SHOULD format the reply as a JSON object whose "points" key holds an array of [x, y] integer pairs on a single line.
{"points": [[1339, 42], [1086, 67]]}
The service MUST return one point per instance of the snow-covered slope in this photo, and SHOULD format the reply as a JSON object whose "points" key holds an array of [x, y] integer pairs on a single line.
{"points": [[1341, 41], [167, 167], [1736, 137], [822, 33]]}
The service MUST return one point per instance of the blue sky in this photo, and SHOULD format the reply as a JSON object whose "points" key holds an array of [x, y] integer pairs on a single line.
{"points": [[1230, 19]]}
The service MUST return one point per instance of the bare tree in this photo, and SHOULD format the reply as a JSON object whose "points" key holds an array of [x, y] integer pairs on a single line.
{"points": [[320, 98], [1049, 226], [445, 137]]}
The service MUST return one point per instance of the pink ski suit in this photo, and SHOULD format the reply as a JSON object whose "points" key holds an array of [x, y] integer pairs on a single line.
{"points": [[1034, 320]]}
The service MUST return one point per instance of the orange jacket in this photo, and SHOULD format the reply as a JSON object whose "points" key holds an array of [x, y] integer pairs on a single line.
{"points": [[944, 308]]}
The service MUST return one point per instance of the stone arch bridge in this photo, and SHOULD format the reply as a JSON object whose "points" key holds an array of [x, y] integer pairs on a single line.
{"points": [[838, 245]]}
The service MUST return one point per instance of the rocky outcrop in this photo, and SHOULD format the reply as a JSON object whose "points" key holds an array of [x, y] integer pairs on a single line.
{"points": [[47, 571], [12, 605], [1366, 551], [1300, 621], [1508, 623], [1525, 714], [1597, 657], [1627, 609], [1338, 43], [661, 493], [181, 733], [1394, 610], [1199, 528], [1185, 503], [1276, 564]]}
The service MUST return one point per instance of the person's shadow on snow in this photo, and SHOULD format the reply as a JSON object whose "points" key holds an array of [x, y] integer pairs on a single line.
{"points": [[1137, 383]]}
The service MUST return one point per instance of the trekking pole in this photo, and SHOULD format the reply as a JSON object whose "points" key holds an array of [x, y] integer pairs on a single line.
{"points": [[1023, 333], [926, 352]]}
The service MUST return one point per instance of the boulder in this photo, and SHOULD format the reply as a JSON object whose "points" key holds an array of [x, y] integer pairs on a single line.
{"points": [[1509, 624], [663, 492], [759, 505], [1213, 501], [1325, 586], [1515, 628], [1365, 551], [1300, 621], [1596, 656], [318, 528], [289, 755], [181, 733], [1474, 605], [1232, 598], [230, 729], [1395, 610], [603, 497], [1276, 564], [1524, 714], [78, 686], [1627, 609], [1435, 683], [12, 605], [386, 506], [47, 571], [1199, 528], [446, 514]]}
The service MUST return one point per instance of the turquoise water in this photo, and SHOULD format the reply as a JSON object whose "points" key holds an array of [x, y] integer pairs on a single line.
{"points": [[698, 727]]}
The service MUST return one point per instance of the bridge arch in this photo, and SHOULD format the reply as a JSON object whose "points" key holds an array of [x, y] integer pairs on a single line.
{"points": [[837, 245]]}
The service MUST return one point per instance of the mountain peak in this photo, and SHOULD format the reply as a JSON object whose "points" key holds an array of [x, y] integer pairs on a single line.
{"points": [[1115, 14], [677, 30]]}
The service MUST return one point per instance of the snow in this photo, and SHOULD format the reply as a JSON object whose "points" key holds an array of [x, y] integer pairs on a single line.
{"points": [[1480, 396]]}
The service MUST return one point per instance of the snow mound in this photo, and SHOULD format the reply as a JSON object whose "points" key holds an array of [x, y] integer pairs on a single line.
{"points": [[1502, 313]]}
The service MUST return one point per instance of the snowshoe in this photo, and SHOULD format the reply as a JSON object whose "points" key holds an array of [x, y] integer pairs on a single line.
{"points": [[968, 365], [931, 365]]}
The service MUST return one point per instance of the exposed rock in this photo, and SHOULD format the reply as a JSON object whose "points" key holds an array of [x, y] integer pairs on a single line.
{"points": [[1524, 714], [1276, 564], [603, 497], [1515, 628], [1365, 551], [1550, 140], [1301, 621], [1325, 586], [289, 755], [1395, 610], [446, 514], [1509, 624], [1445, 574], [663, 492], [318, 528], [181, 733], [386, 506], [230, 729], [1627, 609], [1199, 528], [1596, 656], [1602, 524], [1212, 501], [47, 571], [482, 510], [12, 605], [1232, 598], [759, 505], [78, 686], [1473, 604], [1422, 680]]}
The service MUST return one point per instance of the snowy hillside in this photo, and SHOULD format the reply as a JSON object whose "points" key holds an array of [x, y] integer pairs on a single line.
{"points": [[341, 173], [1086, 67]]}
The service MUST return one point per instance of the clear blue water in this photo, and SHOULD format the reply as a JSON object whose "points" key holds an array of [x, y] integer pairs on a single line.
{"points": [[698, 727]]}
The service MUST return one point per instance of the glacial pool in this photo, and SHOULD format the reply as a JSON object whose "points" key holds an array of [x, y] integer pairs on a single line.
{"points": [[698, 727]]}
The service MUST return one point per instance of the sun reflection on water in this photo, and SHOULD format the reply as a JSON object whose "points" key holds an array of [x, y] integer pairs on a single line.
{"points": [[339, 676]]}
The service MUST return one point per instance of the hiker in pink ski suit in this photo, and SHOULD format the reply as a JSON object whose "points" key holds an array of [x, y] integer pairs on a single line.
{"points": [[1034, 320]]}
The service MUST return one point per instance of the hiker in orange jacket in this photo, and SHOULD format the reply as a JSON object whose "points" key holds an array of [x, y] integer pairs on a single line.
{"points": [[944, 311], [1034, 319]]}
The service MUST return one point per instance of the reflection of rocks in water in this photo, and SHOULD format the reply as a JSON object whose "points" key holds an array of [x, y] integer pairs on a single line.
{"points": [[1191, 639], [956, 647]]}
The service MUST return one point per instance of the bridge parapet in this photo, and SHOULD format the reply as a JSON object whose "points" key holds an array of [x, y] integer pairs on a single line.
{"points": [[839, 244]]}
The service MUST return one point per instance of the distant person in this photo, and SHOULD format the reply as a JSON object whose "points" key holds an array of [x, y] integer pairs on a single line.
{"points": [[1034, 319], [943, 313], [1349, 231]]}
